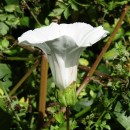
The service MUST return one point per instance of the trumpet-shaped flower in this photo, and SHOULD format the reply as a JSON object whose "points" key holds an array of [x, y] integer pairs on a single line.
{"points": [[63, 43]]}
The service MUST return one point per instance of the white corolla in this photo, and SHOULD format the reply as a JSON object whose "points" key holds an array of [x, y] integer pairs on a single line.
{"points": [[63, 43]]}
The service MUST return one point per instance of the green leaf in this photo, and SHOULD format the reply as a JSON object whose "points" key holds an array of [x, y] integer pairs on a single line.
{"points": [[11, 8], [6, 84], [12, 21], [5, 75], [73, 124], [11, 52], [47, 22], [103, 68], [83, 62], [120, 117], [111, 5], [108, 116], [61, 4], [3, 17], [93, 94], [53, 128], [127, 33], [60, 117], [123, 120], [83, 103], [107, 127], [24, 21], [111, 54], [119, 34], [56, 12], [2, 103], [118, 107], [73, 5], [5, 43], [3, 28], [107, 27], [5, 70], [66, 13]]}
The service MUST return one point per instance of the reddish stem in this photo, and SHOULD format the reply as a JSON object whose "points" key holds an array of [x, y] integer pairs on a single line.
{"points": [[90, 73], [43, 87]]}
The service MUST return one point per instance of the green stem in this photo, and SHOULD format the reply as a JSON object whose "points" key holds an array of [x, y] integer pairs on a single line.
{"points": [[32, 13], [82, 112], [83, 5], [90, 73], [12, 109], [67, 118], [23, 78]]}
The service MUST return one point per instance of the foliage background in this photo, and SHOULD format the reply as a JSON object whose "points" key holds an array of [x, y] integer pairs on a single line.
{"points": [[103, 104]]}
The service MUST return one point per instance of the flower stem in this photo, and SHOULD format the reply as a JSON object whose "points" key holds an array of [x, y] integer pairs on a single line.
{"points": [[43, 87], [90, 73], [82, 112], [23, 78], [67, 118]]}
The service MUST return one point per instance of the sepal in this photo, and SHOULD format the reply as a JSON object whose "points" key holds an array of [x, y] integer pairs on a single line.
{"points": [[67, 97]]}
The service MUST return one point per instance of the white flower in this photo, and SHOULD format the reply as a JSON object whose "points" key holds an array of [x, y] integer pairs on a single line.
{"points": [[63, 43]]}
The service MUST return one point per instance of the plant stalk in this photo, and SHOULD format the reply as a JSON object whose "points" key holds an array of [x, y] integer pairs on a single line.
{"points": [[43, 87], [82, 112], [90, 73], [67, 118]]}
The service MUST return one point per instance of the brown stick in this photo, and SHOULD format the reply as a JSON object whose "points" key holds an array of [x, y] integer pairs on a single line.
{"points": [[43, 86], [96, 72], [23, 78], [90, 73], [27, 47]]}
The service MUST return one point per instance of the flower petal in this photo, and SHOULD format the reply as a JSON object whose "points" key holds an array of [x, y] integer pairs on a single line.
{"points": [[83, 34], [75, 30], [63, 44], [93, 36], [63, 55], [54, 31], [63, 76], [40, 35]]}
